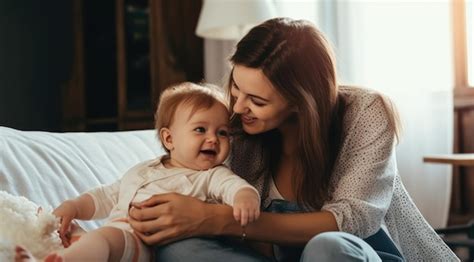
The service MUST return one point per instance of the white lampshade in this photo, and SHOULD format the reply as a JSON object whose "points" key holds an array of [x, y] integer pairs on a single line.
{"points": [[232, 19]]}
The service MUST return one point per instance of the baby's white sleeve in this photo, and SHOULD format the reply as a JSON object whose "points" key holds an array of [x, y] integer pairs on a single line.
{"points": [[224, 184], [105, 198]]}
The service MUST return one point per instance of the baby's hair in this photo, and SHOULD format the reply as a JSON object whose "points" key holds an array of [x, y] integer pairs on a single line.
{"points": [[199, 96]]}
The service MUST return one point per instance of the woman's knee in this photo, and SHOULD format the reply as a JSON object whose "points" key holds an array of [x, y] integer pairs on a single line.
{"points": [[336, 246], [325, 243], [178, 251], [205, 249]]}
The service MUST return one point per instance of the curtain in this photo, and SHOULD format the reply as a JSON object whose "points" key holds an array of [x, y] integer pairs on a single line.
{"points": [[217, 52], [216, 60], [403, 49]]}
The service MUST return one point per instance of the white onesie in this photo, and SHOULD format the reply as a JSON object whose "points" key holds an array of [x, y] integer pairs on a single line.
{"points": [[218, 184]]}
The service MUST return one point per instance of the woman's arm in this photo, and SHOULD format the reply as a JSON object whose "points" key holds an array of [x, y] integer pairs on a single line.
{"points": [[284, 229], [366, 170], [170, 217]]}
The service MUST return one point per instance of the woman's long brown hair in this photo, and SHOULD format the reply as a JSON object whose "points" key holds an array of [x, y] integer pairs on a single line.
{"points": [[298, 61]]}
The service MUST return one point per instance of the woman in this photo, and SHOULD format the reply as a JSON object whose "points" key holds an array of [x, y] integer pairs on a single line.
{"points": [[321, 152]]}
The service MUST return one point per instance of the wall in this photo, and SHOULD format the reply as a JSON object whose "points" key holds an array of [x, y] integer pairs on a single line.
{"points": [[36, 49]]}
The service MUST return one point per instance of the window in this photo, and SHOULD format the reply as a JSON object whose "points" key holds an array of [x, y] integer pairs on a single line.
{"points": [[470, 41], [463, 20]]}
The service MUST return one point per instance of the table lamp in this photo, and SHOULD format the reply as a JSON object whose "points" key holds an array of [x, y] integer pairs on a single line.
{"points": [[232, 19]]}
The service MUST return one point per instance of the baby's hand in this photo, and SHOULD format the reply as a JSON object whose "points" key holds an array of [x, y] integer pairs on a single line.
{"points": [[246, 206], [67, 211]]}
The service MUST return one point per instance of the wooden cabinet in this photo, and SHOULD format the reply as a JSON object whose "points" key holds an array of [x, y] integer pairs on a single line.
{"points": [[125, 53]]}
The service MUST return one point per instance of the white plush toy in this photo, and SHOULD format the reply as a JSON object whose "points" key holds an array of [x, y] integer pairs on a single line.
{"points": [[22, 222]]}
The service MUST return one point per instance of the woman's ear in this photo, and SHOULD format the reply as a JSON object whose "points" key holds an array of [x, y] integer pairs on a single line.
{"points": [[166, 138]]}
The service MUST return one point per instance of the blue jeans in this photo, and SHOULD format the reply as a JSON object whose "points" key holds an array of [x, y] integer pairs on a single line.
{"points": [[329, 246]]}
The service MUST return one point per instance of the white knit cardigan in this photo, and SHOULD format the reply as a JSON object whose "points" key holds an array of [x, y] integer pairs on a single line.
{"points": [[367, 189]]}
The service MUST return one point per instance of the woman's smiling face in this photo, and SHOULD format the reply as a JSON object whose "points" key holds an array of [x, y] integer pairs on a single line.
{"points": [[260, 106]]}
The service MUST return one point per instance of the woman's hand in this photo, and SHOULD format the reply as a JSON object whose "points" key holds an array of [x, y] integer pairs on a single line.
{"points": [[165, 218], [67, 211]]}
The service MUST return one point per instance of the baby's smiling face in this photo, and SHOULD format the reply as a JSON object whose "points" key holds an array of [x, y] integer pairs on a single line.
{"points": [[199, 140]]}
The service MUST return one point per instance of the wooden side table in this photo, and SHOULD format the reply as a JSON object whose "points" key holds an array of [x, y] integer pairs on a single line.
{"points": [[453, 159], [456, 160], [462, 161]]}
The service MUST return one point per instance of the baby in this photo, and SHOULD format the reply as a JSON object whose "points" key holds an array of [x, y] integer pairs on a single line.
{"points": [[192, 124]]}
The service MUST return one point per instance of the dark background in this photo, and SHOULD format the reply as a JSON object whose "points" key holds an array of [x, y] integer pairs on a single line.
{"points": [[36, 55]]}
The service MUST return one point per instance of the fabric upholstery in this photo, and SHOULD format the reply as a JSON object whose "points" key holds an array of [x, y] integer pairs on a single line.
{"points": [[48, 168]]}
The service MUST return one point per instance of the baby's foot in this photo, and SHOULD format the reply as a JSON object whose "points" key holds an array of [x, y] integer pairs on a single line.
{"points": [[23, 255]]}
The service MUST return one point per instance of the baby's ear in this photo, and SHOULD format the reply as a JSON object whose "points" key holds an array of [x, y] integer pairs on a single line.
{"points": [[166, 138]]}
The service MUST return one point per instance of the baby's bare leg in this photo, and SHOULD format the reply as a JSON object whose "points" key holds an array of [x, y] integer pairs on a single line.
{"points": [[102, 244]]}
